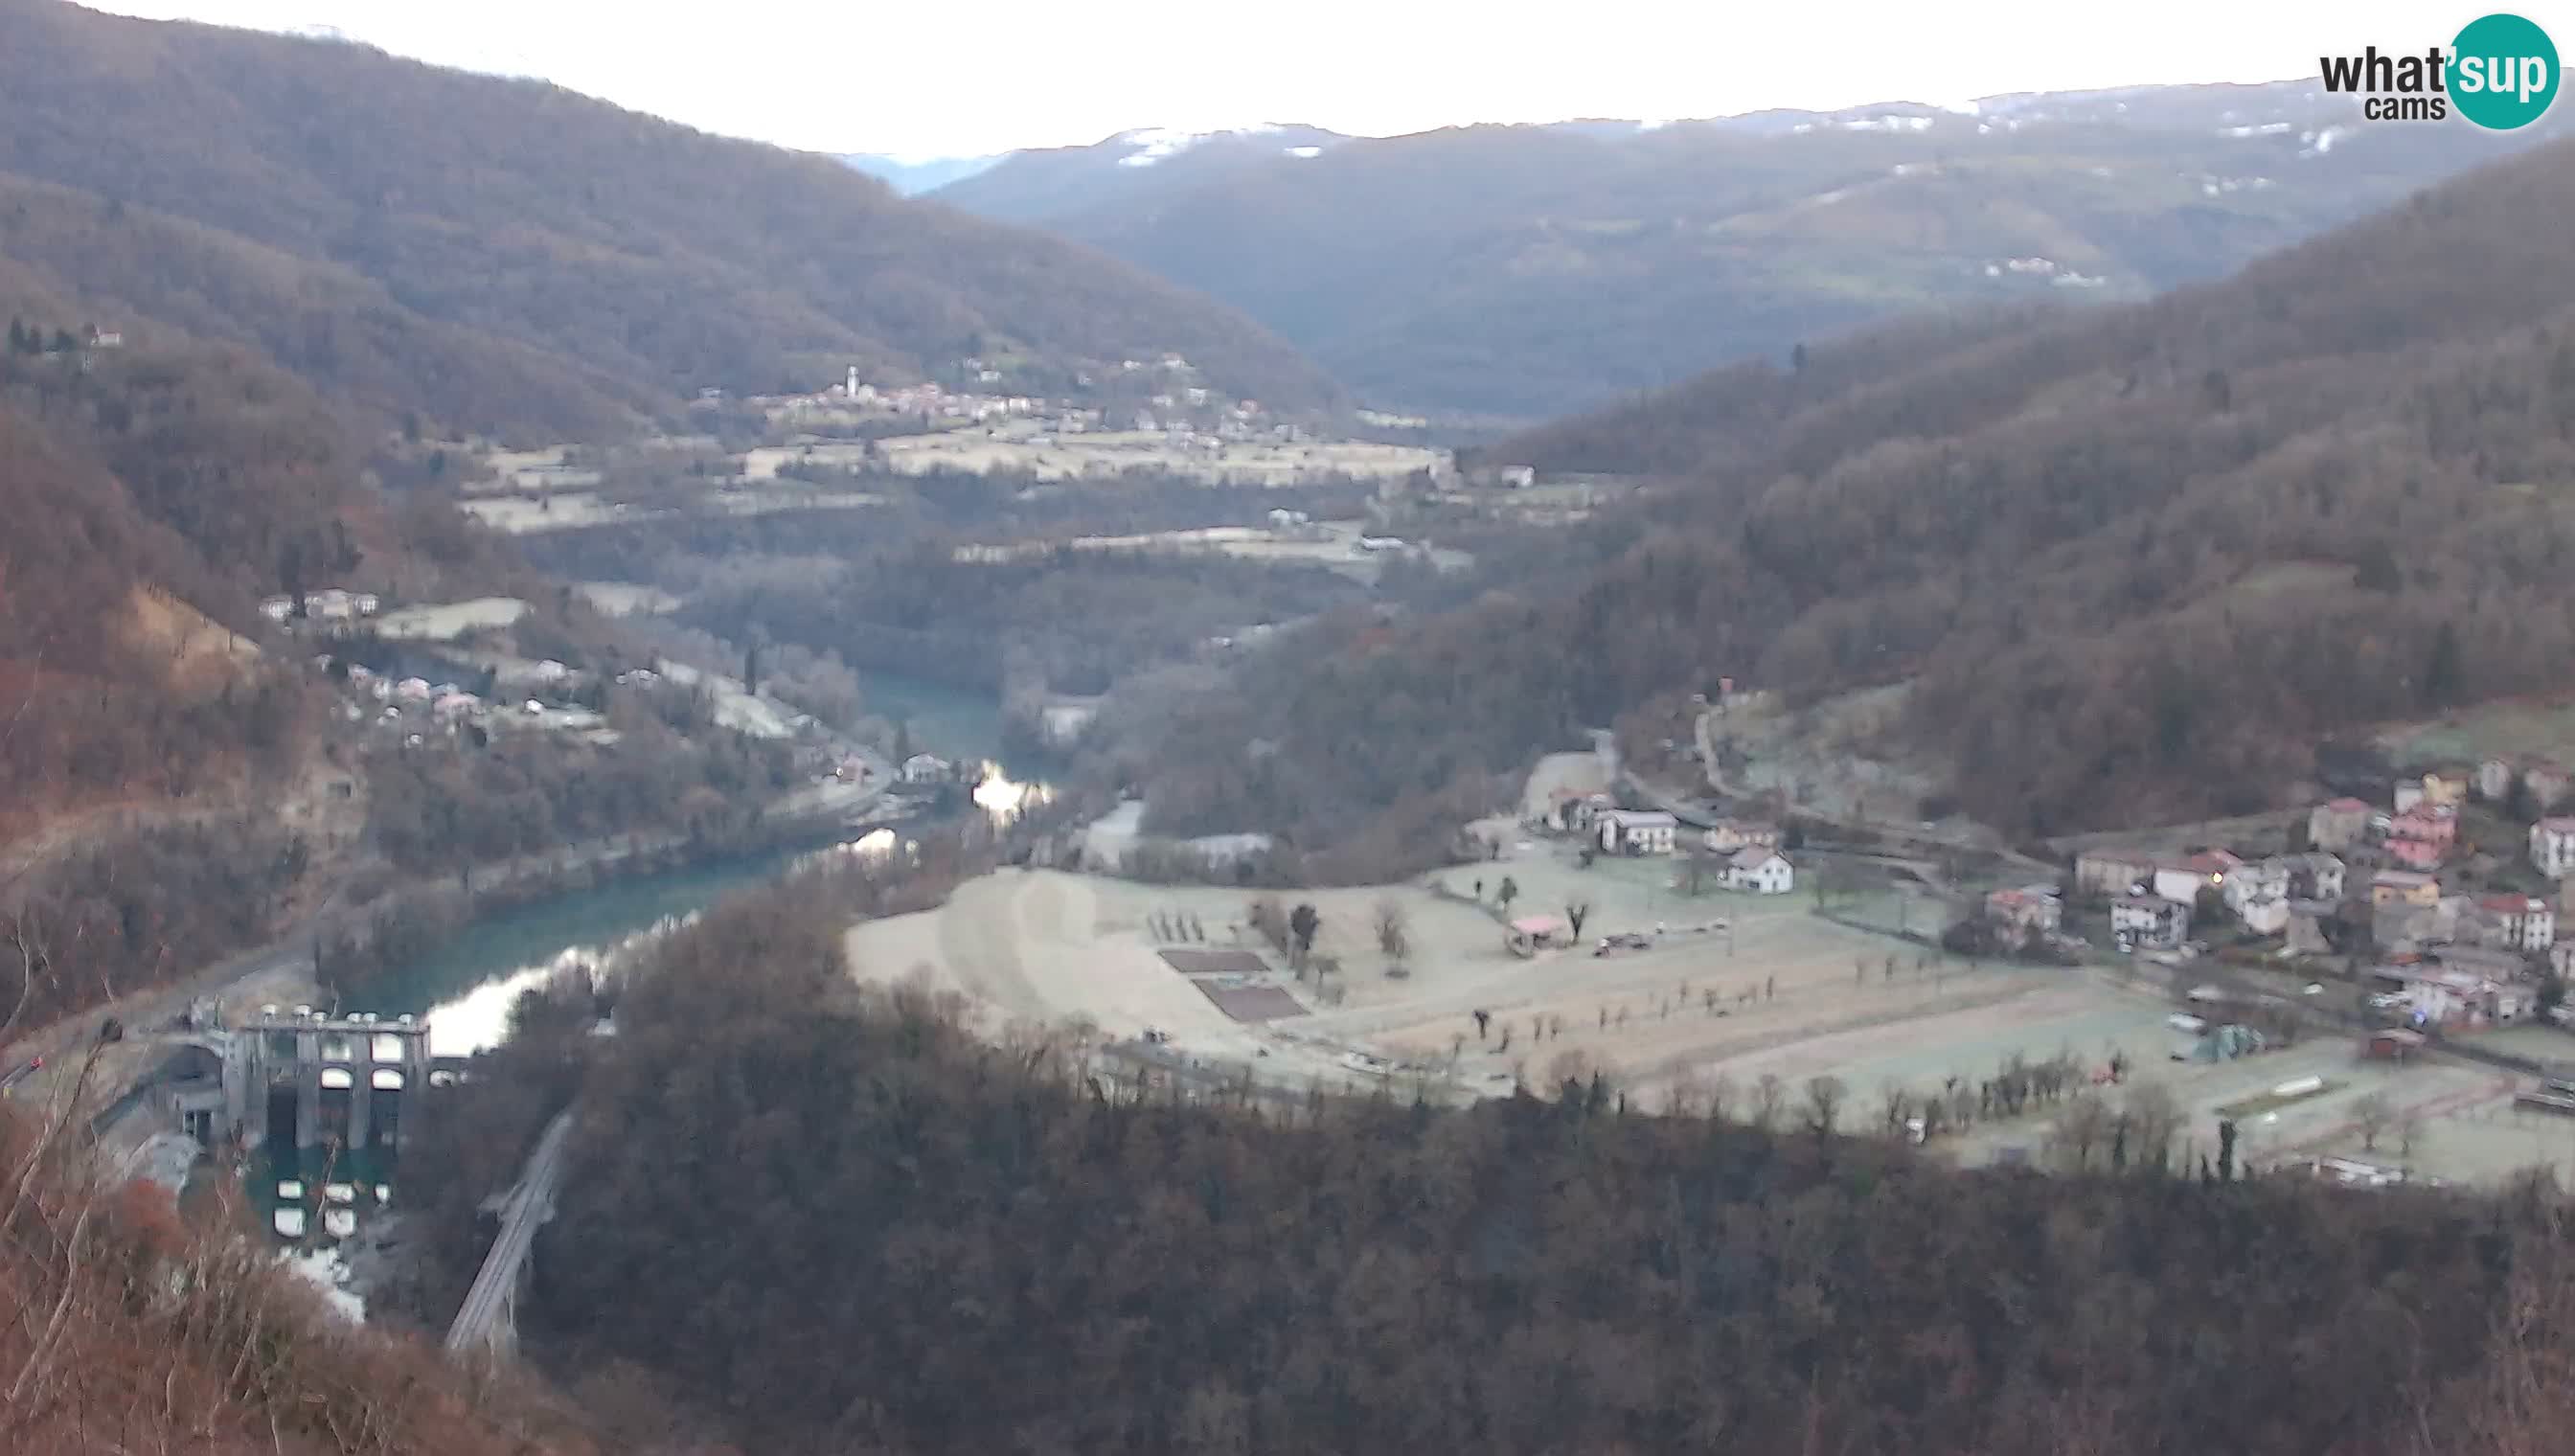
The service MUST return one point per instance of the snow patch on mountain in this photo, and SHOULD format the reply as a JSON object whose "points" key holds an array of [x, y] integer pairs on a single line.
{"points": [[1153, 144]]}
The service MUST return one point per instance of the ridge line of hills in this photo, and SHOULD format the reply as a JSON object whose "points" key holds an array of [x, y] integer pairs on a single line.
{"points": [[383, 228], [1533, 271], [2126, 564]]}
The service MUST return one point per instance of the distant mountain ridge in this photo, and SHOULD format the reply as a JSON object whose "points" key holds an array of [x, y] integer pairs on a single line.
{"points": [[2118, 565], [1534, 270], [510, 257], [1040, 185], [913, 176]]}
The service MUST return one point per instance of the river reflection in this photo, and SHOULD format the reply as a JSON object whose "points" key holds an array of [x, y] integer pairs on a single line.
{"points": [[468, 986], [465, 1025]]}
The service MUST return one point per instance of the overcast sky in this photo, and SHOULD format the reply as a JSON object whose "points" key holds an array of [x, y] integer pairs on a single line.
{"points": [[944, 79]]}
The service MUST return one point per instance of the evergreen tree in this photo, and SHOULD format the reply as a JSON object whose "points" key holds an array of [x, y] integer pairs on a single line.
{"points": [[2441, 675]]}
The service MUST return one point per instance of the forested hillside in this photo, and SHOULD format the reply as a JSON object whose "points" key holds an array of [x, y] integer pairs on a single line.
{"points": [[1533, 271], [829, 1221], [2135, 561], [151, 497], [150, 720], [132, 1330], [507, 256]]}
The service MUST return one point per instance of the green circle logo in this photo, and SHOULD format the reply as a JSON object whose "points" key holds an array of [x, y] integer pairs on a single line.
{"points": [[2503, 72]]}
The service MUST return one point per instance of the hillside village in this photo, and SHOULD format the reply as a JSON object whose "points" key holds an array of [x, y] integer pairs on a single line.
{"points": [[2444, 900], [2441, 902], [843, 447]]}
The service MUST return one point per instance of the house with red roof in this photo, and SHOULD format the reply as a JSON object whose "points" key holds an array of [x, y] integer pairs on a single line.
{"points": [[2518, 922], [2025, 913]]}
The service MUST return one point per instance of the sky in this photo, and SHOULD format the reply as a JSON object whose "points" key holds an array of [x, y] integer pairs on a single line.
{"points": [[920, 79]]}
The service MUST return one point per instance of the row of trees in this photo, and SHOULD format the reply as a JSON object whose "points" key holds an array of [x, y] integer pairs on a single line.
{"points": [[26, 340]]}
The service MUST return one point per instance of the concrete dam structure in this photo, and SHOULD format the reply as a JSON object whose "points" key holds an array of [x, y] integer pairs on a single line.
{"points": [[307, 1078]]}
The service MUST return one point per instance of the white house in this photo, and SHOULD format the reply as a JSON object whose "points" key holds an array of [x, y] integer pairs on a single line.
{"points": [[923, 768], [2264, 880], [2269, 916], [2459, 998], [277, 609], [332, 603], [1763, 871], [2552, 846], [2316, 876], [2183, 880], [1636, 832], [2495, 779], [2520, 922], [2148, 922]]}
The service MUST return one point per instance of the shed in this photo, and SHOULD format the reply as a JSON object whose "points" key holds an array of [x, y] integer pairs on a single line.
{"points": [[1529, 934]]}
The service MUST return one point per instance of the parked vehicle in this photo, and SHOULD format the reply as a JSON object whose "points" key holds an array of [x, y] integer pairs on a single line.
{"points": [[20, 1074]]}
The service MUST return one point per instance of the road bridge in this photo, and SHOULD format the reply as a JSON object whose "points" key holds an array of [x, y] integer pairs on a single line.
{"points": [[489, 1318]]}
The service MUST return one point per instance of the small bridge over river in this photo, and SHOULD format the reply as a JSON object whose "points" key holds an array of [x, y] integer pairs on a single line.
{"points": [[489, 1318]]}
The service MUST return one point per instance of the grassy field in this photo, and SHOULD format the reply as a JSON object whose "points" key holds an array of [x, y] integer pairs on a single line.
{"points": [[2513, 728], [450, 621], [1732, 988]]}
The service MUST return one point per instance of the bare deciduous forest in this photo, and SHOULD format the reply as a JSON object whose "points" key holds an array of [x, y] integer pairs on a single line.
{"points": [[2134, 564], [134, 1329], [386, 230], [1012, 1246]]}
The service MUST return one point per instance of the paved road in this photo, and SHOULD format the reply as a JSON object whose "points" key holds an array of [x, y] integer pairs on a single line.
{"points": [[1903, 831], [19, 1074], [148, 1011], [484, 1321]]}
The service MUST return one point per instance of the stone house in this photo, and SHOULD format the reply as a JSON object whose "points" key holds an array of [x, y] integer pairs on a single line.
{"points": [[2108, 872], [2338, 824]]}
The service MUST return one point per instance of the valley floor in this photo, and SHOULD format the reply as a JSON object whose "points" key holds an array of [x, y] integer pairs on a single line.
{"points": [[1734, 988]]}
